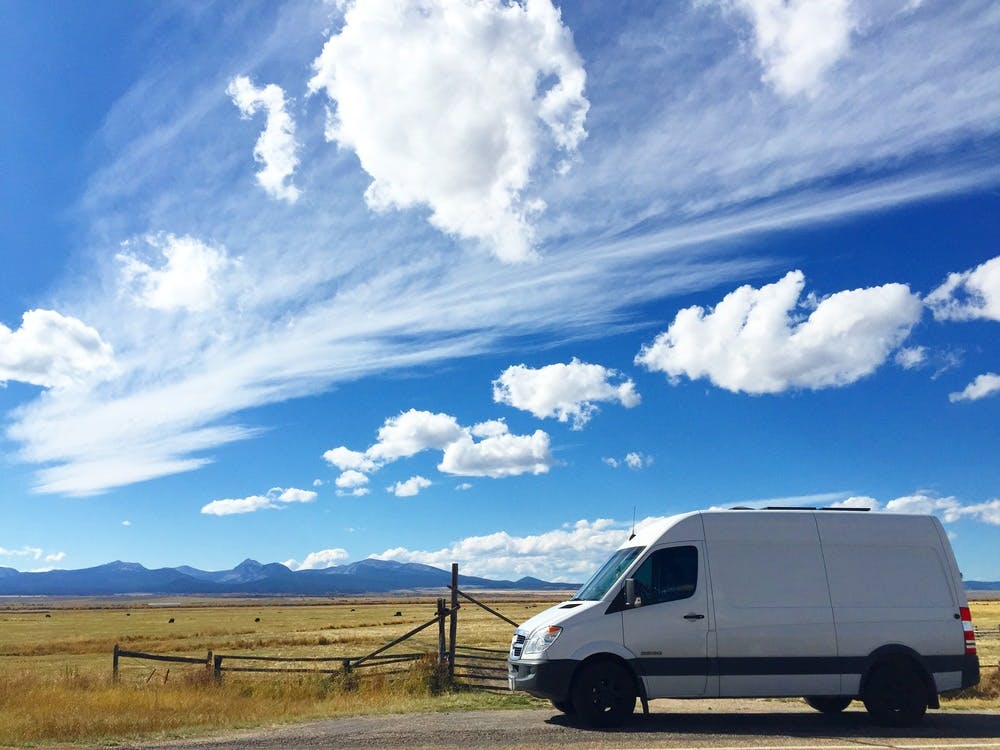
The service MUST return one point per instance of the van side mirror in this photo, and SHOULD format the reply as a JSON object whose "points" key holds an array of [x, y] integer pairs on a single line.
{"points": [[629, 593]]}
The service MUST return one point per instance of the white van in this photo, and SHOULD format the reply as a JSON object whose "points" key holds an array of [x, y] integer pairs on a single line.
{"points": [[827, 605]]}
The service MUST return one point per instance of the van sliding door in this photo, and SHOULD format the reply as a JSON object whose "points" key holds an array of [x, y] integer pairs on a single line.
{"points": [[774, 620]]}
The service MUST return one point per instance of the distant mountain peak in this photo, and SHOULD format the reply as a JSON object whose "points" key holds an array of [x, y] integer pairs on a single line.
{"points": [[124, 567], [249, 565]]}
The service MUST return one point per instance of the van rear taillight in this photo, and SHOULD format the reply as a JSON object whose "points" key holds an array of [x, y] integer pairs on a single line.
{"points": [[968, 630]]}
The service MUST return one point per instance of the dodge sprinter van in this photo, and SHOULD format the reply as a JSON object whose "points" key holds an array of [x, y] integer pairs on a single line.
{"points": [[828, 605]]}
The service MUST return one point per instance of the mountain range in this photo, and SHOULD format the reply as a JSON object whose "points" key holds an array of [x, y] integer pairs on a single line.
{"points": [[250, 578]]}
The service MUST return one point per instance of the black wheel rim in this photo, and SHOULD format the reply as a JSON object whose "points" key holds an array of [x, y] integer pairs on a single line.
{"points": [[606, 694]]}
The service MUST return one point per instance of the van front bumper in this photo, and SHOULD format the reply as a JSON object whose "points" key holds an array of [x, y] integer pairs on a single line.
{"points": [[542, 679]]}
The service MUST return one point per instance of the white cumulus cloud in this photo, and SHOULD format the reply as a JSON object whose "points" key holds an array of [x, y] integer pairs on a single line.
{"points": [[275, 497], [187, 277], [236, 505], [411, 432], [798, 41], [276, 147], [33, 553], [570, 553], [984, 385], [350, 479], [344, 458], [968, 295], [498, 456], [325, 558], [452, 104], [910, 357], [950, 509], [53, 351], [410, 487], [564, 391], [762, 341]]}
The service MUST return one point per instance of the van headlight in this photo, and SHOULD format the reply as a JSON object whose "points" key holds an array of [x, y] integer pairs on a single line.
{"points": [[540, 640]]}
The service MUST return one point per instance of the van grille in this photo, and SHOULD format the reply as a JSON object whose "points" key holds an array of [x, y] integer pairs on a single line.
{"points": [[517, 646]]}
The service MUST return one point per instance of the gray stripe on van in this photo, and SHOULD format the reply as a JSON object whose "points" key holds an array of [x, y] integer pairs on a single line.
{"points": [[775, 665]]}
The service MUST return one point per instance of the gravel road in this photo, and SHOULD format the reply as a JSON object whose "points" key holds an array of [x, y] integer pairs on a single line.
{"points": [[729, 725]]}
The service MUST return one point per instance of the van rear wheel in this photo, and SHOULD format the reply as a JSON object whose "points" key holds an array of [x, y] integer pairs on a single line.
{"points": [[603, 694], [565, 706], [895, 695], [828, 704]]}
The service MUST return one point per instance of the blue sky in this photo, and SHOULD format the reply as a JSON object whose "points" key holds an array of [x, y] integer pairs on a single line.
{"points": [[470, 281]]}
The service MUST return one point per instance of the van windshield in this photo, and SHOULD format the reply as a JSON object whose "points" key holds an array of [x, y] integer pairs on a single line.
{"points": [[611, 571]]}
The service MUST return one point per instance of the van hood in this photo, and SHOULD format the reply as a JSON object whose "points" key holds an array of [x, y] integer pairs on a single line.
{"points": [[556, 615]]}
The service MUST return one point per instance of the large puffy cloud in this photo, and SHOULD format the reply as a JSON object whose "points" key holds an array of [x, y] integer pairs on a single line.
{"points": [[324, 558], [498, 456], [53, 351], [760, 341], [188, 277], [276, 146], [968, 295], [452, 104], [984, 385], [275, 498], [797, 41], [565, 391]]}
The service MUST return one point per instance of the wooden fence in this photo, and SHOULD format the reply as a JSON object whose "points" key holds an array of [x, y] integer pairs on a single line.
{"points": [[467, 666]]}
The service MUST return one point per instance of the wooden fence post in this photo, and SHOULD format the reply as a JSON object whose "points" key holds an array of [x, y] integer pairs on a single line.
{"points": [[114, 665], [217, 668], [453, 630], [441, 643], [209, 662]]}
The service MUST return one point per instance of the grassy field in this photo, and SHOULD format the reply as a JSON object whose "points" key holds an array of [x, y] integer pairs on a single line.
{"points": [[55, 663]]}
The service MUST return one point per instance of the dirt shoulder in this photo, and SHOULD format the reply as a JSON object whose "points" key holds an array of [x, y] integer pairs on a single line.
{"points": [[671, 724]]}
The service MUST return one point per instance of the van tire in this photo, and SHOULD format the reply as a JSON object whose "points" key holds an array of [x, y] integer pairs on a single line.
{"points": [[828, 704], [565, 706], [603, 694], [895, 694]]}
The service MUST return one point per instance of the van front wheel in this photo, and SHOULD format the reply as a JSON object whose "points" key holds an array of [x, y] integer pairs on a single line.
{"points": [[895, 695], [603, 694], [828, 704]]}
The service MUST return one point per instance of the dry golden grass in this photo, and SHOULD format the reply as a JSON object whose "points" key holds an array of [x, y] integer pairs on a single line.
{"points": [[75, 708], [55, 672]]}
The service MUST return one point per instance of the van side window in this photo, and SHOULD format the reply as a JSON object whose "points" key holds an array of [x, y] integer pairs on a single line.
{"points": [[667, 575]]}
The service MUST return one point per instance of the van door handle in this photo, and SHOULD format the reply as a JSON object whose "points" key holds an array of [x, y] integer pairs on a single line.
{"points": [[693, 616]]}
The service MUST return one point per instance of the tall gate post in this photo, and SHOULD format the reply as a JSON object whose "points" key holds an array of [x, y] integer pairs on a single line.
{"points": [[442, 647], [114, 665], [453, 632]]}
